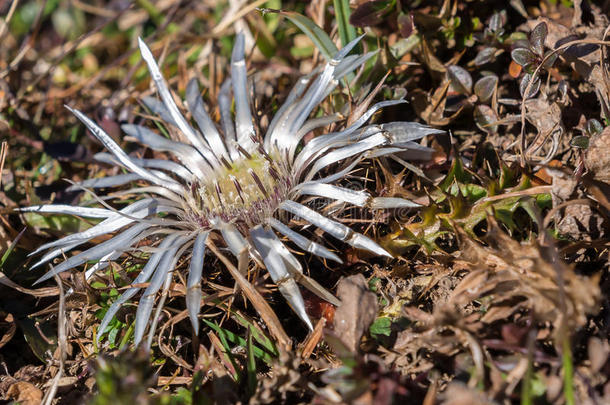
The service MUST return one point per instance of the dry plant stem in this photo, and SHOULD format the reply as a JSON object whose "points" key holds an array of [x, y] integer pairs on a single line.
{"points": [[173, 380], [477, 357], [263, 308], [91, 9], [62, 344], [602, 58], [165, 349], [530, 191], [8, 18], [313, 339], [3, 153], [231, 18], [217, 345], [27, 43], [40, 292], [549, 216], [523, 145]]}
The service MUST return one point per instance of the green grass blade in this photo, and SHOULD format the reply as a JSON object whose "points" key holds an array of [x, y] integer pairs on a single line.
{"points": [[11, 248], [320, 39], [261, 338], [231, 337], [568, 372], [347, 32]]}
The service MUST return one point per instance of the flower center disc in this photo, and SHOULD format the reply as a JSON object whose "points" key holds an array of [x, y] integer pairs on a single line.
{"points": [[246, 192]]}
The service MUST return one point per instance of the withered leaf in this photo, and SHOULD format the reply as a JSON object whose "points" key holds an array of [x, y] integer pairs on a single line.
{"points": [[533, 279], [24, 393], [357, 311], [597, 158]]}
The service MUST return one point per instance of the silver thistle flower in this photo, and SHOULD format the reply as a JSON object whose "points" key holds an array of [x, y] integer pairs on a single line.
{"points": [[234, 182]]}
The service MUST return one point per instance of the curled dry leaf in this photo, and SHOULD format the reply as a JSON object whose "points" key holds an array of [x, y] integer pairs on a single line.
{"points": [[597, 157], [357, 311], [577, 219], [546, 116], [24, 393]]}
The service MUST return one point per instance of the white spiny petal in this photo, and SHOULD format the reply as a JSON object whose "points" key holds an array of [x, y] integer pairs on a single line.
{"points": [[142, 277], [207, 127], [243, 116], [171, 106], [334, 228], [264, 243], [193, 283], [86, 212], [302, 242]]}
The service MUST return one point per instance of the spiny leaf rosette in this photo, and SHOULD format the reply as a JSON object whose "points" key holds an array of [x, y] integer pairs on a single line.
{"points": [[235, 182]]}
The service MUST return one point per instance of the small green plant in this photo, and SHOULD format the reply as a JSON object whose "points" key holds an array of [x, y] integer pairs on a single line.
{"points": [[593, 127], [466, 198], [530, 54]]}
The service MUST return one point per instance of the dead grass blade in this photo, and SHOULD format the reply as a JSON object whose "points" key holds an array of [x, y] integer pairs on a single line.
{"points": [[39, 292], [313, 339], [3, 154]]}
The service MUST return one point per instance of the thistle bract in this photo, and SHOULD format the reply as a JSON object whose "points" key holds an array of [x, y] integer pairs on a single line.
{"points": [[235, 180]]}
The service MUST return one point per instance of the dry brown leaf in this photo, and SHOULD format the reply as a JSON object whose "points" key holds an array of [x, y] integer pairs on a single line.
{"points": [[24, 393], [546, 117], [357, 311], [39, 292], [597, 157], [9, 327], [432, 108]]}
